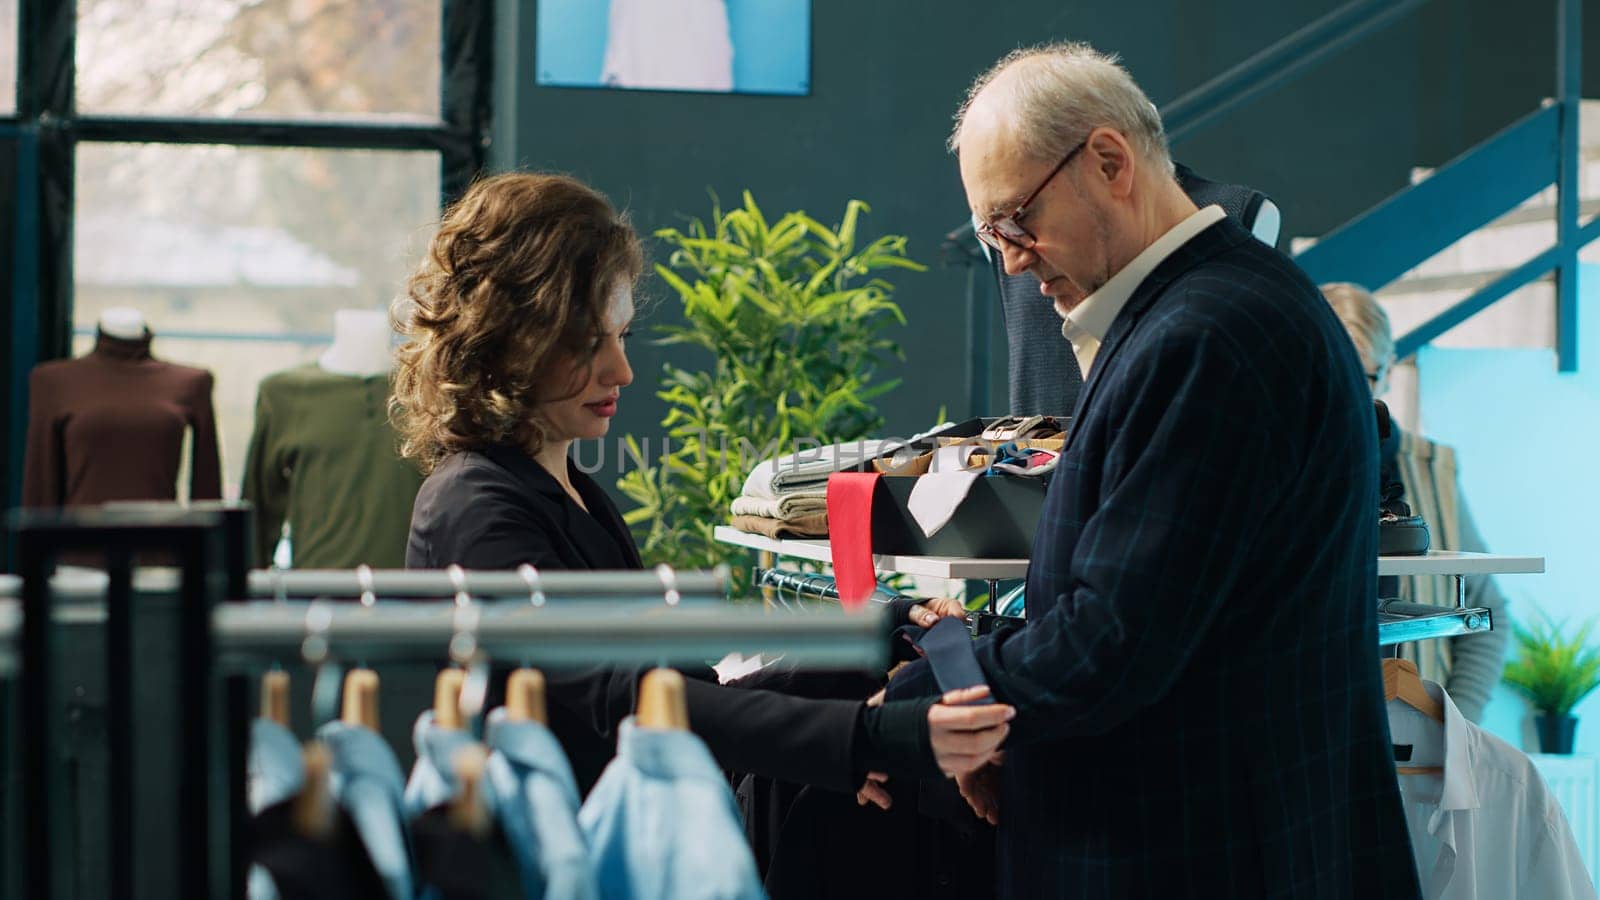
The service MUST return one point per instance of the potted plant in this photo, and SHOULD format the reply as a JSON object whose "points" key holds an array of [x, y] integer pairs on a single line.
{"points": [[792, 314], [1554, 672]]}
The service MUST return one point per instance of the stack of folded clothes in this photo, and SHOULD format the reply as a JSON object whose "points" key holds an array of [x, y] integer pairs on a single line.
{"points": [[787, 496]]}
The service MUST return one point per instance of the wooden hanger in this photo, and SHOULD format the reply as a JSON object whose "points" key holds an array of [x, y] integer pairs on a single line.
{"points": [[275, 697], [1402, 682], [525, 697], [661, 702], [447, 698], [361, 698], [467, 812], [312, 813]]}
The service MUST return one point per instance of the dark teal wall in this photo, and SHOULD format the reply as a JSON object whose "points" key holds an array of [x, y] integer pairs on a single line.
{"points": [[887, 76]]}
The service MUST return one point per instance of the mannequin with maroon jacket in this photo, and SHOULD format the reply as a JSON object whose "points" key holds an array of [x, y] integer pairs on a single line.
{"points": [[110, 425]]}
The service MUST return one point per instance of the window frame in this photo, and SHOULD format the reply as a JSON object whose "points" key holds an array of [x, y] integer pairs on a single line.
{"points": [[36, 245]]}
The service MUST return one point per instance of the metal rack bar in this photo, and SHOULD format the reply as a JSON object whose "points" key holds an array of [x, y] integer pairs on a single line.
{"points": [[255, 634], [402, 583], [1400, 622]]}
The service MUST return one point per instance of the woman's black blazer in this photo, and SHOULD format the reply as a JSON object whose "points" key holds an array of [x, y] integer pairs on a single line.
{"points": [[496, 508]]}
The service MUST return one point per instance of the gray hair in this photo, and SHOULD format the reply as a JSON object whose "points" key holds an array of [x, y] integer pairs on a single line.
{"points": [[1365, 319], [1061, 92]]}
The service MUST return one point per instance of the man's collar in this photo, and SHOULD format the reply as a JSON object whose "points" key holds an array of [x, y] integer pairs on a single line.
{"points": [[1098, 310]]}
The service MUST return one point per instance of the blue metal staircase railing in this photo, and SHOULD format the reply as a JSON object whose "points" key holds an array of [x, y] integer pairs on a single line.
{"points": [[1279, 64], [1473, 190], [1388, 240]]}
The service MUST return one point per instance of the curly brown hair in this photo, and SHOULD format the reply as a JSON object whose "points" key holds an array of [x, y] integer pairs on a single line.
{"points": [[513, 290]]}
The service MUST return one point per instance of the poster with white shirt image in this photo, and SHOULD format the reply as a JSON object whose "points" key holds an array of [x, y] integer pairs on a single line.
{"points": [[718, 46]]}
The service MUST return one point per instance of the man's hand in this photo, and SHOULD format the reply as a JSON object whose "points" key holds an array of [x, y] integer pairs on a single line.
{"points": [[930, 611], [981, 788], [963, 737], [872, 791]]}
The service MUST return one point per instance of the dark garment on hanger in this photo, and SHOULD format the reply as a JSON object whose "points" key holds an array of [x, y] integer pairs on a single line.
{"points": [[110, 426], [324, 457], [497, 508], [303, 868], [1041, 371], [459, 866]]}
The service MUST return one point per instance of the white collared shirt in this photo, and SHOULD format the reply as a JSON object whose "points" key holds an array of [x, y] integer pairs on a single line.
{"points": [[1088, 322], [1488, 827]]}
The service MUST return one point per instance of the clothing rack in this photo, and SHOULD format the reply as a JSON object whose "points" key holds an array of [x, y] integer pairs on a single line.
{"points": [[623, 618], [1398, 622], [250, 636]]}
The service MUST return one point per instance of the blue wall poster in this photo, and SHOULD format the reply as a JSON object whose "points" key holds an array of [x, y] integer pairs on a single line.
{"points": [[721, 46]]}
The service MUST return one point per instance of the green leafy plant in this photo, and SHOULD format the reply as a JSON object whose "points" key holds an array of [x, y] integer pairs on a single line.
{"points": [[793, 317], [1554, 672]]}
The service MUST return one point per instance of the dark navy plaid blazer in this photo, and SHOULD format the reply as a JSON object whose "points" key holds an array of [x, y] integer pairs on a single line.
{"points": [[1199, 702]]}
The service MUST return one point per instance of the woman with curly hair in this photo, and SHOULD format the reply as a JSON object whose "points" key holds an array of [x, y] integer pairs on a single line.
{"points": [[516, 330], [516, 327]]}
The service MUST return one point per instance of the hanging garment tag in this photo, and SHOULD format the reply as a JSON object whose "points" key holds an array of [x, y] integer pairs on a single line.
{"points": [[850, 535]]}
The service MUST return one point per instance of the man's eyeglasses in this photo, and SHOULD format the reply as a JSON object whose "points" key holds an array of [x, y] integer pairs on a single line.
{"points": [[1007, 227]]}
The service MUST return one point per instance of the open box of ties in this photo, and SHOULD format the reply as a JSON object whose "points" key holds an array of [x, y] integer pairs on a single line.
{"points": [[974, 489]]}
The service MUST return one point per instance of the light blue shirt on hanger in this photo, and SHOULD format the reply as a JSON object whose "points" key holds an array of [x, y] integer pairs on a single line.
{"points": [[367, 783], [535, 798], [433, 778], [662, 824]]}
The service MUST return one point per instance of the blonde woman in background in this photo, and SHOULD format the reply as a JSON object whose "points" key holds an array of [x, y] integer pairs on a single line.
{"points": [[1467, 665]]}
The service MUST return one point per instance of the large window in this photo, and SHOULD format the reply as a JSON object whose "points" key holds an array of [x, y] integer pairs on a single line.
{"points": [[235, 170], [238, 256], [284, 59]]}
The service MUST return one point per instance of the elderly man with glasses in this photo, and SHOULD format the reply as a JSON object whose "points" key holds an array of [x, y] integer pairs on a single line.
{"points": [[1197, 691]]}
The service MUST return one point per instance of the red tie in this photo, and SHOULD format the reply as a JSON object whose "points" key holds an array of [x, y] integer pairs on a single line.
{"points": [[850, 535]]}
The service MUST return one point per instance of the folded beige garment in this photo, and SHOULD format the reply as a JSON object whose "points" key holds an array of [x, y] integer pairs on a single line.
{"points": [[814, 525], [786, 507]]}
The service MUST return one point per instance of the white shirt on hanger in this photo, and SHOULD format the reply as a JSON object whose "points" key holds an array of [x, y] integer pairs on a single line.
{"points": [[1487, 827]]}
